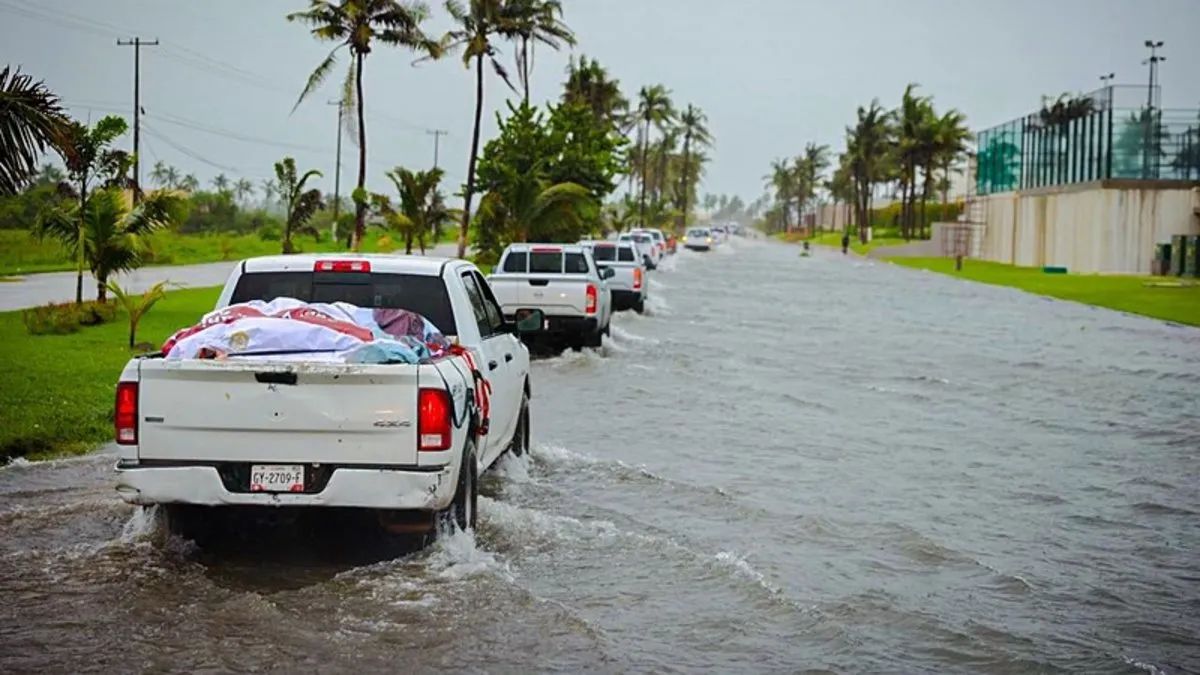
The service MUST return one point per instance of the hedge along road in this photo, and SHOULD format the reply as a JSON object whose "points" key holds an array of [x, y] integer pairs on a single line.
{"points": [[41, 289]]}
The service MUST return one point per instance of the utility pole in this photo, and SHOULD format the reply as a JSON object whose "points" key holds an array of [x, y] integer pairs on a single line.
{"points": [[1106, 80], [1151, 127], [337, 172], [437, 134], [137, 43]]}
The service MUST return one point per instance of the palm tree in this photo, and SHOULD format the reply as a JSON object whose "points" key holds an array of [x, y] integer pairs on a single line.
{"points": [[868, 143], [477, 24], [137, 306], [270, 190], [221, 183], [358, 25], [189, 183], [243, 190], [531, 22], [654, 109], [422, 207], [158, 174], [300, 203], [112, 229], [88, 158], [31, 121], [588, 83], [693, 123], [531, 208], [782, 182]]}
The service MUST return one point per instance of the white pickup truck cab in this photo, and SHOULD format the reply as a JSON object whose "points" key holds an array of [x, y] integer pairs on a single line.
{"points": [[561, 280], [628, 285], [401, 444]]}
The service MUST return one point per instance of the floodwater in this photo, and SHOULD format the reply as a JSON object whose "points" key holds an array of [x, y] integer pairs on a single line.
{"points": [[789, 465]]}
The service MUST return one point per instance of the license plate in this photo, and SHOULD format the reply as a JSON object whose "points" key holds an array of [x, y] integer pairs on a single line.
{"points": [[277, 478], [545, 324]]}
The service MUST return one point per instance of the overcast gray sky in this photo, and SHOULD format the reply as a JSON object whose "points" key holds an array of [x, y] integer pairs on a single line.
{"points": [[770, 74]]}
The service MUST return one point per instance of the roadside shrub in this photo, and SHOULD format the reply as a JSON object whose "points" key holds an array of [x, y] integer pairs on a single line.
{"points": [[227, 247], [384, 244], [66, 317], [271, 232]]}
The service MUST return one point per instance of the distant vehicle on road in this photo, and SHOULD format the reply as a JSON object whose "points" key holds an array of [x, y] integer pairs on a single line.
{"points": [[698, 239]]}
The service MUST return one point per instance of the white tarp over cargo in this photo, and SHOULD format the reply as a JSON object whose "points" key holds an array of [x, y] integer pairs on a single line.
{"points": [[287, 327]]}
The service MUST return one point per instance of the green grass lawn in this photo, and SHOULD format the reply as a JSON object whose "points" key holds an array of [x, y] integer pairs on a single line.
{"points": [[1123, 293], [21, 253], [834, 239], [57, 391]]}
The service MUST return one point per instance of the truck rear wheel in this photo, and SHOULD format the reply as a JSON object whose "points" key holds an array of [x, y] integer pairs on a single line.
{"points": [[188, 521], [594, 339], [461, 513]]}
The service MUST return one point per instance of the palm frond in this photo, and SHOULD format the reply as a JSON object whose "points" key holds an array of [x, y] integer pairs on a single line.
{"points": [[31, 121]]}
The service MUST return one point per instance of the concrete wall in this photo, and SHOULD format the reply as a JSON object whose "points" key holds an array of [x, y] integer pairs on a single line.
{"points": [[1102, 227], [945, 240]]}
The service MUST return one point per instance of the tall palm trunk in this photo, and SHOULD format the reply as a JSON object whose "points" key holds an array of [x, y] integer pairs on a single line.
{"points": [[80, 257], [642, 171], [525, 66], [360, 205], [685, 184], [470, 189]]}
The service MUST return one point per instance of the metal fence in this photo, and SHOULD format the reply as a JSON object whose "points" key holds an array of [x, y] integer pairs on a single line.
{"points": [[1102, 135]]}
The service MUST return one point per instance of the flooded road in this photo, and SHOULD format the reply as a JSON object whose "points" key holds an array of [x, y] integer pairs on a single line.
{"points": [[791, 464]]}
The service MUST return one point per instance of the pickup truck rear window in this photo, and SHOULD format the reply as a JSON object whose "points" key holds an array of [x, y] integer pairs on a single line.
{"points": [[425, 295], [604, 253], [545, 262], [625, 254]]}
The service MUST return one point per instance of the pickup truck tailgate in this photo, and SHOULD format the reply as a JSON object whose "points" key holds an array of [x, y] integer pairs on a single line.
{"points": [[278, 412], [554, 294]]}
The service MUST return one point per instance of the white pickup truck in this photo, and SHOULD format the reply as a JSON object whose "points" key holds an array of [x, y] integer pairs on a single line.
{"points": [[628, 284], [398, 444], [561, 280], [644, 243]]}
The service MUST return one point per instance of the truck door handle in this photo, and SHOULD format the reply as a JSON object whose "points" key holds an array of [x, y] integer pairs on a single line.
{"points": [[492, 365], [507, 358]]}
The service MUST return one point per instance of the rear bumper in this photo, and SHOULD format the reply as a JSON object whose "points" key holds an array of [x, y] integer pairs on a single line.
{"points": [[567, 325], [347, 487], [626, 299], [697, 247]]}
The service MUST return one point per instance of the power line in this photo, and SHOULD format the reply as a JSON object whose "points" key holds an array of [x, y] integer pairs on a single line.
{"points": [[153, 133], [176, 53]]}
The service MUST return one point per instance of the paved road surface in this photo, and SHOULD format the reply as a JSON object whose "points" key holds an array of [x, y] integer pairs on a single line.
{"points": [[40, 289], [787, 465]]}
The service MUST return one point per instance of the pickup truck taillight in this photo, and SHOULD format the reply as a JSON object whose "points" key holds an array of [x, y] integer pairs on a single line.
{"points": [[433, 420], [590, 307], [637, 278], [126, 415]]}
